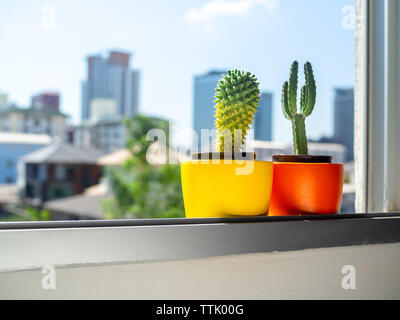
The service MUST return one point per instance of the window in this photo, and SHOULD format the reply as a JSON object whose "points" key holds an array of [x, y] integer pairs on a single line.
{"points": [[170, 70], [71, 174], [10, 180], [60, 172], [10, 164]]}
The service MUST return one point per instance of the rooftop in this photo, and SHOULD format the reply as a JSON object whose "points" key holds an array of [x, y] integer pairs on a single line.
{"points": [[24, 138], [48, 111], [64, 154], [84, 206]]}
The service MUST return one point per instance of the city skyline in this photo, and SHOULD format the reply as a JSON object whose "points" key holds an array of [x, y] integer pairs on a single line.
{"points": [[172, 44]]}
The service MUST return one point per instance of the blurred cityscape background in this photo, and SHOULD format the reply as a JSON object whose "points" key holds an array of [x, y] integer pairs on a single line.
{"points": [[60, 164]]}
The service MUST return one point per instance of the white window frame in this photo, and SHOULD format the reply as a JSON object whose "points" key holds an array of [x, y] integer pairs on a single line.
{"points": [[377, 106]]}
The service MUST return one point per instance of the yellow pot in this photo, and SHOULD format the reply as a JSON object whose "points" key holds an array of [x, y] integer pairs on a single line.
{"points": [[226, 189]]}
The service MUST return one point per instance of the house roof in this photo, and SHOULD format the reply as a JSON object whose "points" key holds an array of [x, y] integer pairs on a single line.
{"points": [[115, 158], [63, 154], [83, 206], [87, 205], [154, 157], [24, 138], [8, 193]]}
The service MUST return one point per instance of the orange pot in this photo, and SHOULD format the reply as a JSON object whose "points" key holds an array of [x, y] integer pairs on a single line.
{"points": [[306, 188]]}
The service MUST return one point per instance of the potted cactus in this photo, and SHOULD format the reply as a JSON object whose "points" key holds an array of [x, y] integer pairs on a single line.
{"points": [[229, 182], [303, 184]]}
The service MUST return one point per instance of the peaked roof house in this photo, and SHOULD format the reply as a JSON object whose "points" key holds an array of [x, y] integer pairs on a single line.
{"points": [[57, 171]]}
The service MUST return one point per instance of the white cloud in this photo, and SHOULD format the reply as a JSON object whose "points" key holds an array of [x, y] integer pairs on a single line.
{"points": [[221, 8]]}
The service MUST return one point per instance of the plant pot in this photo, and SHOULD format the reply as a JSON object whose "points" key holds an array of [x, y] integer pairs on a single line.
{"points": [[305, 185], [216, 187]]}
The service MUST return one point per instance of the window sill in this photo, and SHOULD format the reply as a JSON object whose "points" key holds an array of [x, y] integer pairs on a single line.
{"points": [[31, 245]]}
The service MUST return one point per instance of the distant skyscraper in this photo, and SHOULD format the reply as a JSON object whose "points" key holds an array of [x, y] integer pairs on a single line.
{"points": [[263, 118], [111, 78], [4, 104], [204, 92], [344, 120], [46, 100]]}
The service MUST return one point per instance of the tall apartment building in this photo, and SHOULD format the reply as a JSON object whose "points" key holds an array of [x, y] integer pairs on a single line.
{"points": [[344, 120], [263, 118], [4, 104], [111, 77], [203, 111]]}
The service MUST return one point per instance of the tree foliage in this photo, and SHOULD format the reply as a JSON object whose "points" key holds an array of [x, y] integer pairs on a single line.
{"points": [[36, 214], [142, 190]]}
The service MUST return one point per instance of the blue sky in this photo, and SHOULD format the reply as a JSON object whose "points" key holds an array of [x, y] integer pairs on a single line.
{"points": [[172, 41]]}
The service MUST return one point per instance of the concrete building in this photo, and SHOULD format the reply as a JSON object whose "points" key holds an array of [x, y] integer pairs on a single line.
{"points": [[13, 146], [46, 100], [263, 118], [344, 120], [111, 77], [107, 134], [203, 104], [33, 120], [57, 171]]}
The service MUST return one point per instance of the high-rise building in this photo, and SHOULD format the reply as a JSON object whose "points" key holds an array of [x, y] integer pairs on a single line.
{"points": [[204, 112], [263, 118], [4, 104], [111, 78], [46, 100], [344, 120]]}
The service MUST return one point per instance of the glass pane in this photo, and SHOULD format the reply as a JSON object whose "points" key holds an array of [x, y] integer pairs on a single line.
{"points": [[83, 82]]}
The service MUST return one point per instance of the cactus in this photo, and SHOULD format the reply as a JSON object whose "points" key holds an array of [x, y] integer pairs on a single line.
{"points": [[236, 98], [307, 102]]}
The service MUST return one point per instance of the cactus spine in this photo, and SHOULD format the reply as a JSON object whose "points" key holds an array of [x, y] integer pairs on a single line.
{"points": [[236, 98], [307, 103]]}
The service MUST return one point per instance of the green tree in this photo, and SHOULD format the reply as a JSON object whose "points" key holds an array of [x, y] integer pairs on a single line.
{"points": [[142, 190], [35, 214]]}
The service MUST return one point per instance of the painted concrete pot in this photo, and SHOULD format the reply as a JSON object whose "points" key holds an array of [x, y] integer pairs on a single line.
{"points": [[305, 185], [216, 187]]}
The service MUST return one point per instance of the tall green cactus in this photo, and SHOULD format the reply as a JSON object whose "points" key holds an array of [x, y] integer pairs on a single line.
{"points": [[237, 96], [307, 103]]}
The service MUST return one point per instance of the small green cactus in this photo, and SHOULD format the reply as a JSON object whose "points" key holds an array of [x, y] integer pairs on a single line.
{"points": [[307, 103], [237, 97]]}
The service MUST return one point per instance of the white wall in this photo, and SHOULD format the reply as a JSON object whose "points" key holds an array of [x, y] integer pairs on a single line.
{"points": [[308, 274]]}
